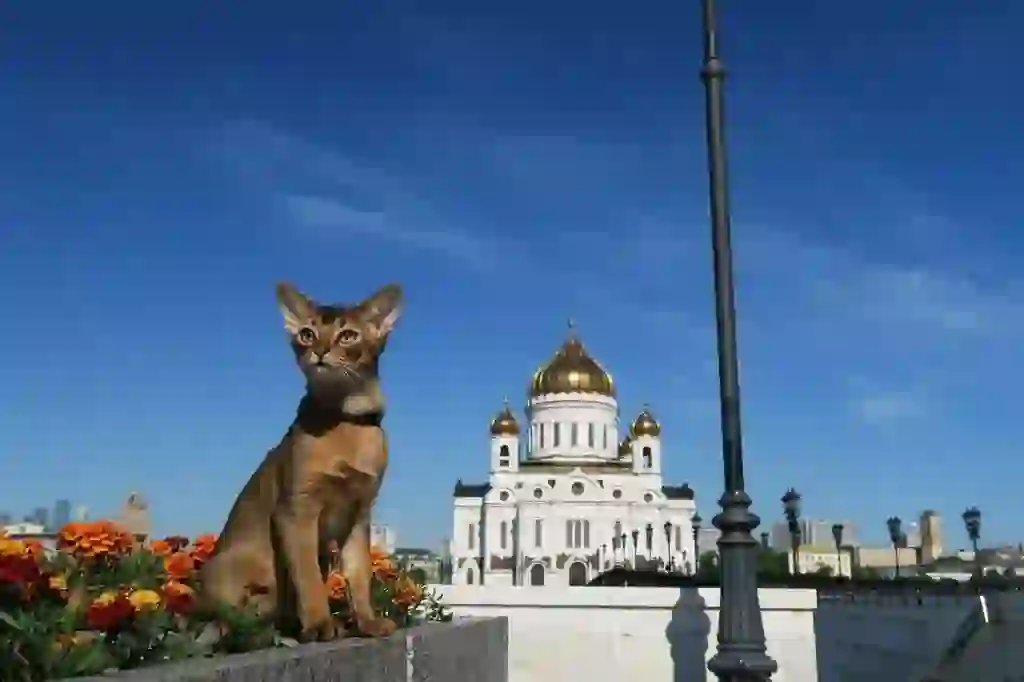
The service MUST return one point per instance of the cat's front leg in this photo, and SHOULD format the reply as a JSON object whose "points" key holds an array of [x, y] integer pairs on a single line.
{"points": [[296, 522], [355, 557]]}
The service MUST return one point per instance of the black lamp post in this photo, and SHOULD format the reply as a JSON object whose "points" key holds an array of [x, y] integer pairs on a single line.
{"points": [[895, 526], [764, 541], [791, 508], [972, 521], [741, 651], [668, 546], [695, 524], [636, 546], [837, 535], [622, 543]]}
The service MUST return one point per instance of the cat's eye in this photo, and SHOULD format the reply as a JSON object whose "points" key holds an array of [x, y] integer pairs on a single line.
{"points": [[306, 336], [348, 336]]}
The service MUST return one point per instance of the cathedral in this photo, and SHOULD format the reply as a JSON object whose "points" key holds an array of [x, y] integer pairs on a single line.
{"points": [[572, 493]]}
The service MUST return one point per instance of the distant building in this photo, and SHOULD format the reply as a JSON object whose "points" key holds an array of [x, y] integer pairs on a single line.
{"points": [[80, 513], [707, 539], [383, 537], [813, 533], [5, 519], [423, 561], [61, 514], [817, 559], [40, 515], [134, 516]]}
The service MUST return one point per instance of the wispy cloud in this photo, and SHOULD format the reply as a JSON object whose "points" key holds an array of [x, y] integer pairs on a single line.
{"points": [[331, 195], [887, 407]]}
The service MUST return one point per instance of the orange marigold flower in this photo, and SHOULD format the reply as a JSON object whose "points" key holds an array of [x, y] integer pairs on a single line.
{"points": [[92, 539], [160, 547], [382, 566], [336, 585], [108, 611], [203, 547], [179, 566], [407, 593], [179, 597]]}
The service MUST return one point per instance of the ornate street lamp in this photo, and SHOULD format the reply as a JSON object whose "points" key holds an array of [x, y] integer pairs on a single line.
{"points": [[741, 654], [791, 508], [636, 546], [837, 535], [972, 522], [695, 524], [895, 526], [668, 546]]}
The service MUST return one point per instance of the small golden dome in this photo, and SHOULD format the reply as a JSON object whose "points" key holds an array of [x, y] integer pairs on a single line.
{"points": [[504, 423], [572, 370], [626, 447], [645, 424]]}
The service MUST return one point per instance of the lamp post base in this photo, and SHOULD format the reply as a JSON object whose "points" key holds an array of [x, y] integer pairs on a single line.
{"points": [[742, 654]]}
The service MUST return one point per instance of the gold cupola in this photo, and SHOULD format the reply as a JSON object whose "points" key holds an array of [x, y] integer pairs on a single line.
{"points": [[504, 423], [572, 370], [626, 447], [645, 424]]}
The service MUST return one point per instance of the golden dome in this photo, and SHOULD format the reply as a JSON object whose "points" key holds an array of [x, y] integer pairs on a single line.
{"points": [[645, 424], [504, 423], [572, 370], [626, 447]]}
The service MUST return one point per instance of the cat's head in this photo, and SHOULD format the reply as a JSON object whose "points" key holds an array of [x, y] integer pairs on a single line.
{"points": [[337, 346]]}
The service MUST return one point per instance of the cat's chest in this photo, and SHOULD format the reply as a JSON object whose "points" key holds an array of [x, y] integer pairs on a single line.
{"points": [[344, 450]]}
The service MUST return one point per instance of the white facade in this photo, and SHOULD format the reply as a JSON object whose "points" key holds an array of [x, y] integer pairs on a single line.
{"points": [[559, 501]]}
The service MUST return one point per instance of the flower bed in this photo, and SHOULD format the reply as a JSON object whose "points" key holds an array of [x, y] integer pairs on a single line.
{"points": [[104, 602]]}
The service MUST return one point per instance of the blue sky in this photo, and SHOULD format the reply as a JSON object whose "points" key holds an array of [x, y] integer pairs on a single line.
{"points": [[513, 164]]}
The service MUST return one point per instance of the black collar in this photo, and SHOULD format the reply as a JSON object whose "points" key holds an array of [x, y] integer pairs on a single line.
{"points": [[367, 419]]}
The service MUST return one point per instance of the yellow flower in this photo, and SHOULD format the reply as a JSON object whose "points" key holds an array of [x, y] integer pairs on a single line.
{"points": [[11, 546], [143, 600], [106, 598]]}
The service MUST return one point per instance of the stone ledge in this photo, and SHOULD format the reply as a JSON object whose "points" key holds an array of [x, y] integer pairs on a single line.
{"points": [[464, 650]]}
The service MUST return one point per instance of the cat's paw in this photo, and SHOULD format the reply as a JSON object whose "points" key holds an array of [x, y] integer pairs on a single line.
{"points": [[320, 631], [375, 627]]}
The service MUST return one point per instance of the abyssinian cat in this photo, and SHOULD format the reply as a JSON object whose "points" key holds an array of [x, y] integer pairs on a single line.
{"points": [[320, 482]]}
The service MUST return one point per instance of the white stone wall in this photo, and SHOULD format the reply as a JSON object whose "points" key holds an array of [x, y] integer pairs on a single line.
{"points": [[612, 633]]}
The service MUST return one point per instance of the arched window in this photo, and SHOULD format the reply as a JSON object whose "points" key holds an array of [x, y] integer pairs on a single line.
{"points": [[469, 576], [578, 573], [604, 445], [542, 435], [537, 575], [471, 538], [556, 437], [503, 456], [647, 458], [538, 533], [504, 534], [586, 534], [574, 434], [679, 536], [618, 530], [590, 435]]}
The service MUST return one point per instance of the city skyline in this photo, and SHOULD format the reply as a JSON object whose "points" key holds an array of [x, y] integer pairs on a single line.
{"points": [[513, 167]]}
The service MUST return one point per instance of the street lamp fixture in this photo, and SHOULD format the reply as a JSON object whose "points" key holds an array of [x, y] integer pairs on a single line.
{"points": [[837, 536], [791, 508], [695, 522], [764, 541], [972, 522], [668, 546], [895, 526], [742, 654]]}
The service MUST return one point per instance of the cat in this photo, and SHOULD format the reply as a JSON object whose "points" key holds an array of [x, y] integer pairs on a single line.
{"points": [[319, 484]]}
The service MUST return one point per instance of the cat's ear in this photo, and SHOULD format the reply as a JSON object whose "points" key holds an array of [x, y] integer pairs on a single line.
{"points": [[383, 308], [296, 307]]}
